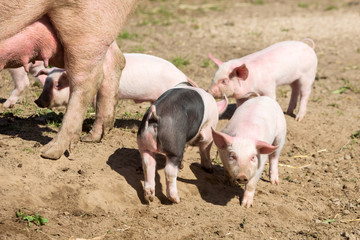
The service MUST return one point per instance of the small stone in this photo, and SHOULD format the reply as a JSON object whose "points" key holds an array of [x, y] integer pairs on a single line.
{"points": [[20, 165], [318, 221], [347, 157], [346, 212], [36, 145]]}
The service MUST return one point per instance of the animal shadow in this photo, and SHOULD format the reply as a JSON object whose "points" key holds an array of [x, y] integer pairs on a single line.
{"points": [[211, 186], [127, 123], [127, 162], [25, 128]]}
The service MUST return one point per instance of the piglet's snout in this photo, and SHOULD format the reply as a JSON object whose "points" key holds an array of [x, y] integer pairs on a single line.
{"points": [[242, 178]]}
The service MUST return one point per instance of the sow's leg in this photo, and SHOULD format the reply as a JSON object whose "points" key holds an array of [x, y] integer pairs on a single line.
{"points": [[85, 46], [107, 98]]}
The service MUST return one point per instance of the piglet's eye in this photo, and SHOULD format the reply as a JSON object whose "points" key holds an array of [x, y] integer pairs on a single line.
{"points": [[232, 156], [224, 81], [253, 159]]}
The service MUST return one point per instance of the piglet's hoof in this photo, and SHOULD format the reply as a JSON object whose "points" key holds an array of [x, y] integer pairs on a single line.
{"points": [[149, 195], [91, 137], [173, 197], [53, 153]]}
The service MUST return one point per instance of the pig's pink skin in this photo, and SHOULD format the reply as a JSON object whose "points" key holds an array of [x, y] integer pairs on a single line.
{"points": [[148, 147], [288, 62], [85, 29], [255, 133], [143, 79], [146, 77], [21, 81]]}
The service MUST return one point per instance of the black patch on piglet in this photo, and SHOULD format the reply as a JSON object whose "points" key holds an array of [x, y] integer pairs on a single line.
{"points": [[180, 113]]}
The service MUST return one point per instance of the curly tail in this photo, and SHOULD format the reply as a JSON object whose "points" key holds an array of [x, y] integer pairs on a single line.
{"points": [[152, 114], [311, 41]]}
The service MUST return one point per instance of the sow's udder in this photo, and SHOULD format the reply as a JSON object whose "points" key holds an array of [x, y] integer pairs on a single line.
{"points": [[37, 41]]}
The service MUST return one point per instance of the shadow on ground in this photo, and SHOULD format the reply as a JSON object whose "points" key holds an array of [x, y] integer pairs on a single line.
{"points": [[211, 186], [127, 162]]}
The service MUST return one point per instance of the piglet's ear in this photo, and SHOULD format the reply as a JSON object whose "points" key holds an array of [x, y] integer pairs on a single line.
{"points": [[240, 72], [222, 140], [264, 147], [64, 80], [42, 78], [44, 71]]}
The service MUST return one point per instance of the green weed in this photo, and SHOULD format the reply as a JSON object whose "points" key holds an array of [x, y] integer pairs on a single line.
{"points": [[329, 220], [340, 113], [257, 2], [90, 112], [355, 135], [285, 29], [127, 35], [36, 219], [37, 84], [331, 7], [347, 86], [318, 99], [53, 124], [17, 112], [51, 118], [335, 105], [136, 115], [179, 61], [29, 150], [283, 93], [43, 111], [303, 5], [138, 49], [158, 16], [341, 90], [206, 63], [255, 34]]}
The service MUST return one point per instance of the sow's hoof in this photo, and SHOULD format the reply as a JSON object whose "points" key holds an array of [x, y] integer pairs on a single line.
{"points": [[53, 153], [90, 137]]}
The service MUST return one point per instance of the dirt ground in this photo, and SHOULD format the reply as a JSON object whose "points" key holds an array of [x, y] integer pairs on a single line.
{"points": [[96, 191]]}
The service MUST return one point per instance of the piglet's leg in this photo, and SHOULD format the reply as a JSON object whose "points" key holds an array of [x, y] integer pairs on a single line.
{"points": [[171, 171], [295, 90], [149, 167], [305, 90], [274, 158], [273, 167], [205, 145], [205, 156], [21, 82], [250, 187]]}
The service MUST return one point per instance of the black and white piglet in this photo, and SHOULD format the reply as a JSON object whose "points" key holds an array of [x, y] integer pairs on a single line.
{"points": [[182, 115]]}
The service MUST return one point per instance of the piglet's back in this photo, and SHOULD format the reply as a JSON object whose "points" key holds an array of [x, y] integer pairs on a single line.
{"points": [[257, 116]]}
